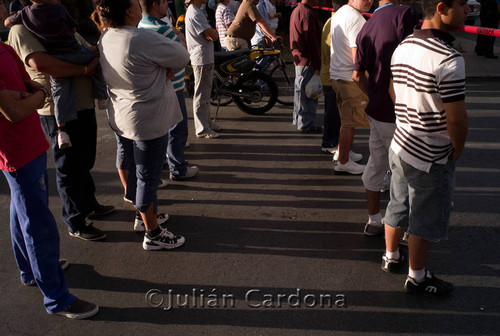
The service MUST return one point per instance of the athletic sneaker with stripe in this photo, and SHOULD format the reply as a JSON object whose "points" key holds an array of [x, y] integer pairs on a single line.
{"points": [[431, 286], [139, 223], [166, 240]]}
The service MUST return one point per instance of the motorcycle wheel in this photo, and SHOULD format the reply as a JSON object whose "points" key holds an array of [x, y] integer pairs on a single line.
{"points": [[257, 93], [217, 93], [283, 74]]}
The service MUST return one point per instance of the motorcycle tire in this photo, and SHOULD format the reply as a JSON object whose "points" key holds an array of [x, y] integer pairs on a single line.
{"points": [[223, 99], [257, 93], [284, 76]]}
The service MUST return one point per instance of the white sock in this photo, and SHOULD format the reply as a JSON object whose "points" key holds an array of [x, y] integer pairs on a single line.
{"points": [[375, 220], [417, 275], [392, 255]]}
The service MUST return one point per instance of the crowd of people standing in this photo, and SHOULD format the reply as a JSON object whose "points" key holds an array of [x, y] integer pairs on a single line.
{"points": [[418, 124]]}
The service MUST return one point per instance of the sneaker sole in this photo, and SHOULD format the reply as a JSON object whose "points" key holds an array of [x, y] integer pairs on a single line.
{"points": [[207, 136], [87, 239], [343, 172], [369, 234], [154, 247], [326, 151], [79, 316], [181, 178], [427, 294]]}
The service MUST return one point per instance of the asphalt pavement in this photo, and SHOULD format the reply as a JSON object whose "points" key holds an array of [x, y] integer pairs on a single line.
{"points": [[274, 242]]}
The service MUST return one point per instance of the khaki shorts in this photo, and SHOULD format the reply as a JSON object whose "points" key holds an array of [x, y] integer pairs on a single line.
{"points": [[235, 43], [352, 103]]}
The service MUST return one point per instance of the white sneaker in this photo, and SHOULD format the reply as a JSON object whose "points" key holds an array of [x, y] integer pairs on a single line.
{"points": [[350, 167], [187, 145], [162, 184], [352, 156], [63, 140], [210, 134], [190, 173], [162, 218], [165, 240]]}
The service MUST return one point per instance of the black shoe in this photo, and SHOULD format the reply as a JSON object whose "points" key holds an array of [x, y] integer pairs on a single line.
{"points": [[102, 210], [393, 265], [79, 309], [491, 56], [431, 286], [314, 130], [89, 232]]}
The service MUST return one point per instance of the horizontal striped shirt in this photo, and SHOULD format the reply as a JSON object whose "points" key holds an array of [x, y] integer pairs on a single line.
{"points": [[223, 19], [427, 72], [163, 28]]}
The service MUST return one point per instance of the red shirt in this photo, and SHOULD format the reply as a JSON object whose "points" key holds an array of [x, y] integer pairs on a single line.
{"points": [[305, 37], [23, 141]]}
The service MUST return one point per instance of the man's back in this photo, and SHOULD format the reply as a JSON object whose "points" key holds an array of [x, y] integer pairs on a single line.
{"points": [[427, 72], [345, 26], [244, 23], [376, 42], [305, 37]]}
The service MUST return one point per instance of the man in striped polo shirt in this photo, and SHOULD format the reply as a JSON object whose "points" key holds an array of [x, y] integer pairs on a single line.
{"points": [[431, 127], [152, 11]]}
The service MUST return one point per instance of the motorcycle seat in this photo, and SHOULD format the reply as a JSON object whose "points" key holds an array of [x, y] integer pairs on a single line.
{"points": [[222, 56]]}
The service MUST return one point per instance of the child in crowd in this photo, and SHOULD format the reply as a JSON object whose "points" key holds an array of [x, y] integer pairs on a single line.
{"points": [[52, 24]]}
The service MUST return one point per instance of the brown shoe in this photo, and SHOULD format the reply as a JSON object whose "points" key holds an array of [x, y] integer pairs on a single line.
{"points": [[79, 309]]}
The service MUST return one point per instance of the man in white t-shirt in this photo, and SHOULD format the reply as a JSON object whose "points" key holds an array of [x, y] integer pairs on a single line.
{"points": [[200, 37], [351, 101]]}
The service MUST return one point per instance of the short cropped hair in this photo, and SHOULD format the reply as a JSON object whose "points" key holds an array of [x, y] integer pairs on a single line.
{"points": [[147, 5], [429, 7]]}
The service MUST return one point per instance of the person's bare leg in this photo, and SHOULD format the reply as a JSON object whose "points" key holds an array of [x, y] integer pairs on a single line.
{"points": [[123, 174], [418, 249], [149, 218], [392, 237], [346, 137], [373, 198]]}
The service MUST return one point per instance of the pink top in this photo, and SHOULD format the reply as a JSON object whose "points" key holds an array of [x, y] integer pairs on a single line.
{"points": [[23, 141]]}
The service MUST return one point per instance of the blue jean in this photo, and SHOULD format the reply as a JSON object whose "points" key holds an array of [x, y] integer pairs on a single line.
{"points": [[33, 230], [331, 119], [304, 108], [62, 87], [177, 137], [73, 165], [420, 201], [145, 165]]}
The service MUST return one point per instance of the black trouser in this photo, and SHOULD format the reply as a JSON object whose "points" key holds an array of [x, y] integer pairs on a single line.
{"points": [[74, 181]]}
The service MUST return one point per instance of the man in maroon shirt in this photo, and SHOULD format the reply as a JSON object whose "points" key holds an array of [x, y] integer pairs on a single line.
{"points": [[305, 43]]}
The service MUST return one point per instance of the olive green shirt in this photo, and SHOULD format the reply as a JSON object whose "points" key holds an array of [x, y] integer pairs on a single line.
{"points": [[25, 44]]}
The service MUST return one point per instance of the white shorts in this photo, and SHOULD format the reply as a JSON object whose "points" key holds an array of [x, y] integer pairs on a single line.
{"points": [[381, 134]]}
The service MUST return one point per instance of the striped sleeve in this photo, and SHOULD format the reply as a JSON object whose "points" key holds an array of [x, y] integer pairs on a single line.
{"points": [[451, 78]]}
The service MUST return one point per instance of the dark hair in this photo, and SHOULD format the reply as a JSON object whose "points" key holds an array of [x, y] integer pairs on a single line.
{"points": [[25, 2], [110, 13], [147, 5], [429, 7]]}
